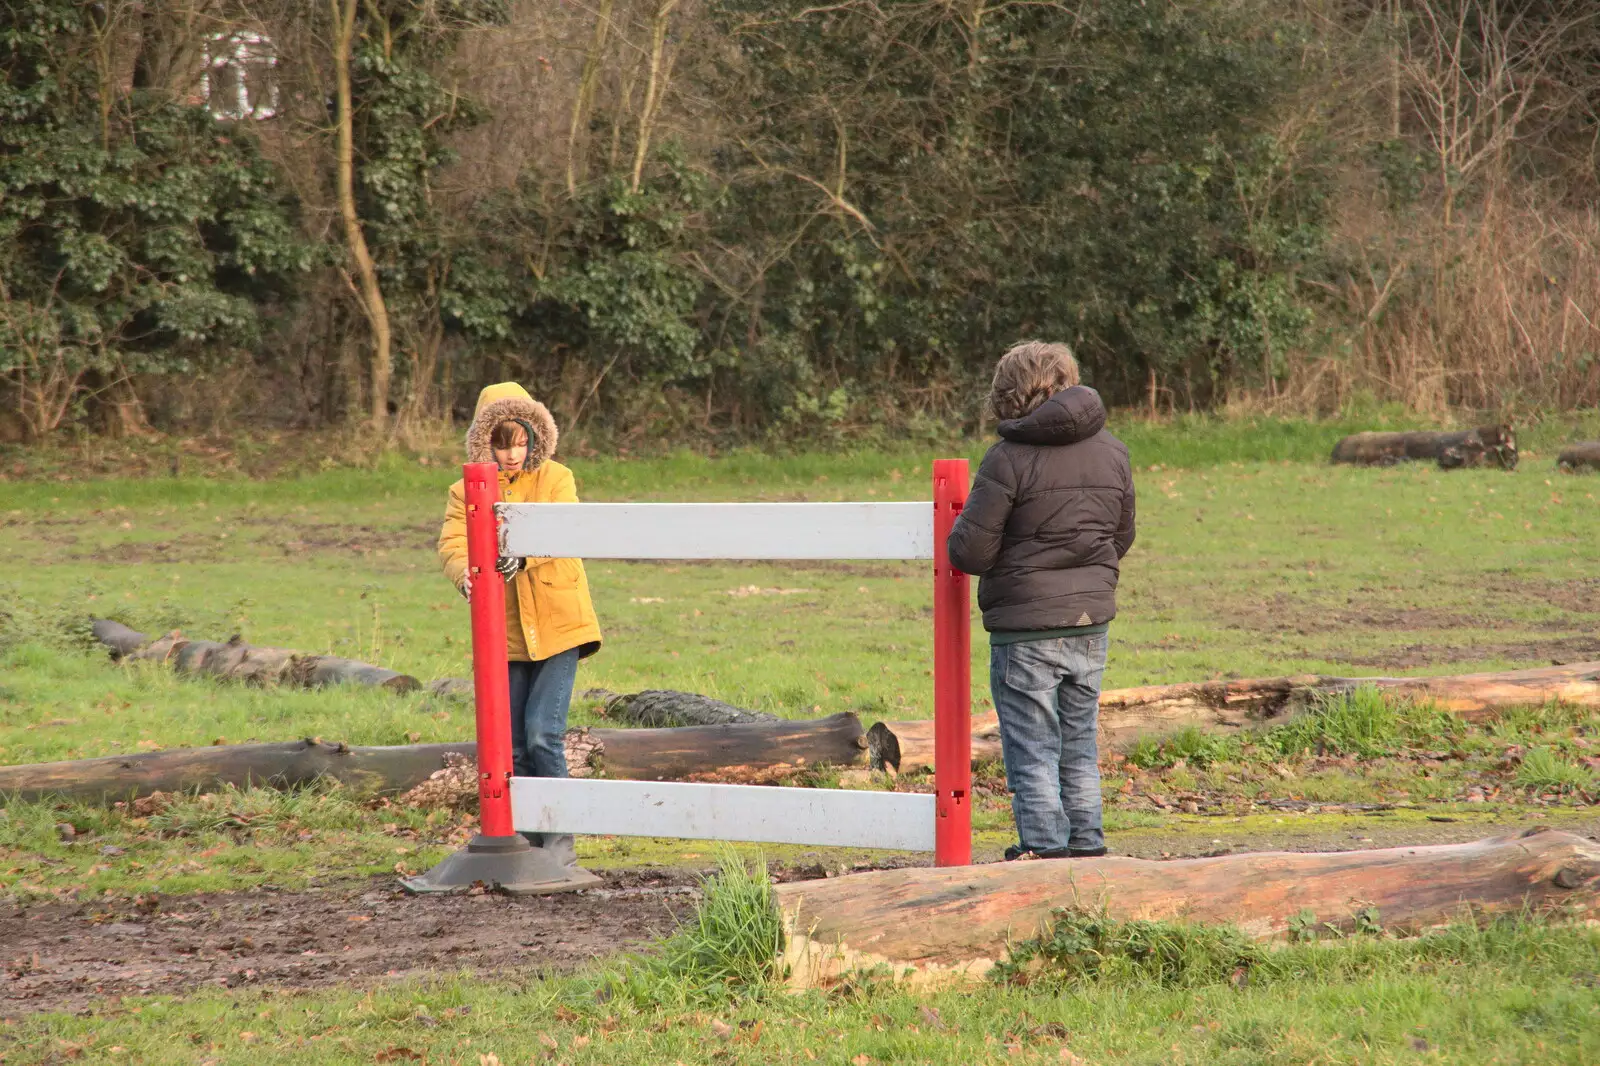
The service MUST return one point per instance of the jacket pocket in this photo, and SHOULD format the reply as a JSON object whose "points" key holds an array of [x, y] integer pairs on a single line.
{"points": [[1033, 665], [565, 593]]}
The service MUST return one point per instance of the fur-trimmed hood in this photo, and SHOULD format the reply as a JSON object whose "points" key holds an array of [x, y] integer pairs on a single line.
{"points": [[508, 400]]}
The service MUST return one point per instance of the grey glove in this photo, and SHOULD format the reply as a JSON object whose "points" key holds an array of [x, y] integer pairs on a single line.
{"points": [[509, 565]]}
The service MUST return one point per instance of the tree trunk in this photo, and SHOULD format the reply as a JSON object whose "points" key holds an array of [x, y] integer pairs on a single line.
{"points": [[370, 294], [1128, 714], [747, 752], [932, 925], [752, 753], [290, 765], [584, 99], [1578, 457], [237, 661], [1495, 445], [655, 88]]}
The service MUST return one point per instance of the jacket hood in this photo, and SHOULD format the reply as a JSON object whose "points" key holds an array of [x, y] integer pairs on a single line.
{"points": [[1070, 416], [500, 403]]}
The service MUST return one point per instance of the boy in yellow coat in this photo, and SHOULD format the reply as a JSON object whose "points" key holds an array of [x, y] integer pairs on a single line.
{"points": [[550, 619]]}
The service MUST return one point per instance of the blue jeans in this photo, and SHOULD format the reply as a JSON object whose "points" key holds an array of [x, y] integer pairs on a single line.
{"points": [[540, 694], [1047, 696]]}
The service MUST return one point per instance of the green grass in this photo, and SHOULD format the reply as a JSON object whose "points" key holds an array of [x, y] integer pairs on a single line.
{"points": [[1252, 570]]}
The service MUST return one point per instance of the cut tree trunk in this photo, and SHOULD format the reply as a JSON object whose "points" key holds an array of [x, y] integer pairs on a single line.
{"points": [[1129, 714], [1579, 457], [750, 753], [290, 765], [237, 661], [1486, 445], [931, 925]]}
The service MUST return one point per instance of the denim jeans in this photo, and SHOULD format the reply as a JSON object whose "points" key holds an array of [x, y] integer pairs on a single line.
{"points": [[1047, 696], [540, 695]]}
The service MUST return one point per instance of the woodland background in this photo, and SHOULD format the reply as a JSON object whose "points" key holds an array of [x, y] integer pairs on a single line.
{"points": [[748, 220]]}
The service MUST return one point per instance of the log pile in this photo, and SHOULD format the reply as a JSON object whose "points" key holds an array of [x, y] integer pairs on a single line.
{"points": [[1576, 458], [931, 926], [755, 752], [1484, 446], [234, 660]]}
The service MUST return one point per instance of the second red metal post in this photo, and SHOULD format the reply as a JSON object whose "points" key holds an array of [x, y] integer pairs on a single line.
{"points": [[952, 676], [490, 680]]}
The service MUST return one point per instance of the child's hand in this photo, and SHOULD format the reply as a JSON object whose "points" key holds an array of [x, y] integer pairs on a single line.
{"points": [[465, 588], [509, 565]]}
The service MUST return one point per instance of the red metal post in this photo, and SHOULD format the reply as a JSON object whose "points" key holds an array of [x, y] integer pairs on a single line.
{"points": [[952, 676], [490, 682]]}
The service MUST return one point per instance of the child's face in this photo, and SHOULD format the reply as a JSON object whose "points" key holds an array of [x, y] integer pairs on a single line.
{"points": [[512, 457]]}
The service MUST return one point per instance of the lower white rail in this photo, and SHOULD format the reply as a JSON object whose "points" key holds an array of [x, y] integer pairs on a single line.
{"points": [[823, 817]]}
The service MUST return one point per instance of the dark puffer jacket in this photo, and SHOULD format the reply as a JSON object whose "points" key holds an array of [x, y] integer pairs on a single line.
{"points": [[1049, 518]]}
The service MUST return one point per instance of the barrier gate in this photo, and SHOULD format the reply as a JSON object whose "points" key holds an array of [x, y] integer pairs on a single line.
{"points": [[509, 806]]}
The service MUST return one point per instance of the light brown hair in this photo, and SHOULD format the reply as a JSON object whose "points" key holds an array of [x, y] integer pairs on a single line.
{"points": [[1028, 375], [508, 434]]}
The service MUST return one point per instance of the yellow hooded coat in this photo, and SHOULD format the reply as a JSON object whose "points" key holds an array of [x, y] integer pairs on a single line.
{"points": [[548, 609]]}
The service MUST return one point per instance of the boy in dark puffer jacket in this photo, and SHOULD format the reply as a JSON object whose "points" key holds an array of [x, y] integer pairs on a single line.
{"points": [[1047, 523]]}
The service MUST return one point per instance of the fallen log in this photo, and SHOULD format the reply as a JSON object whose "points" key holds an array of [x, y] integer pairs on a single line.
{"points": [[1129, 714], [748, 752], [234, 660], [1496, 445], [939, 925], [1576, 458], [724, 752], [289, 765]]}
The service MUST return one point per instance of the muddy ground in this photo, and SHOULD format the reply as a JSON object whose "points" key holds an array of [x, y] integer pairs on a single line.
{"points": [[67, 956]]}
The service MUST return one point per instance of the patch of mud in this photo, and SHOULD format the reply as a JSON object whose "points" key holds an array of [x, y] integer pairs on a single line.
{"points": [[254, 537], [1580, 595], [1305, 617], [1578, 599], [295, 538], [1557, 651], [66, 956]]}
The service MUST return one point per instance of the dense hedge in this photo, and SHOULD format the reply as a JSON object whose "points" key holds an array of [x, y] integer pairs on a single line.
{"points": [[746, 217]]}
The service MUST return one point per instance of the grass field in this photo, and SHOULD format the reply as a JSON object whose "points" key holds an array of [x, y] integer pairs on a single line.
{"points": [[1254, 558]]}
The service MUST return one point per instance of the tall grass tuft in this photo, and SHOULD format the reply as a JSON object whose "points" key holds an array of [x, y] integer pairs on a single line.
{"points": [[729, 949], [1364, 723], [1355, 723], [1545, 769], [1195, 747], [1082, 948]]}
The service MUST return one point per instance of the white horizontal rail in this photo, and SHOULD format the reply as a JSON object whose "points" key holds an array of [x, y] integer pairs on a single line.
{"points": [[822, 817], [718, 530]]}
